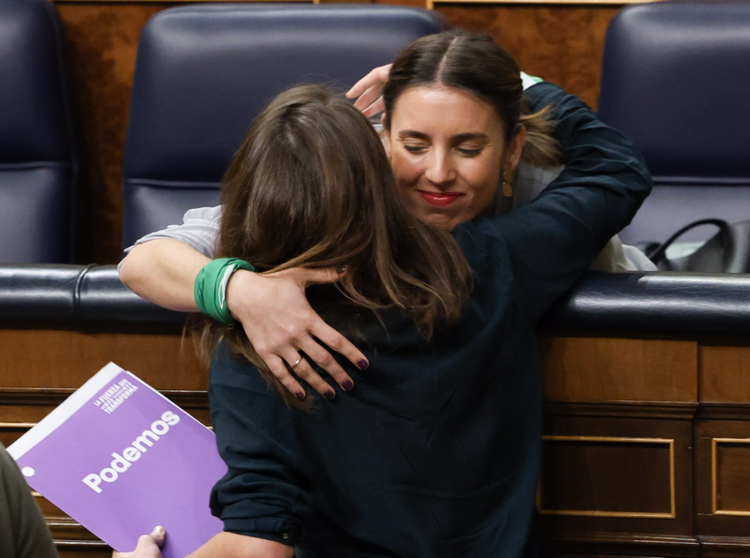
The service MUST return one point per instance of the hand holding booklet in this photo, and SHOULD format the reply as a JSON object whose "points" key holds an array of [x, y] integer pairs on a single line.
{"points": [[120, 458]]}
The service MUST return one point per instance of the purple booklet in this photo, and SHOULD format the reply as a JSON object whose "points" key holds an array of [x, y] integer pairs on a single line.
{"points": [[120, 458]]}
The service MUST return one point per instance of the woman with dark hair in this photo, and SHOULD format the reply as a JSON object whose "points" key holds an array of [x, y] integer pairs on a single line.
{"points": [[438, 453], [444, 84]]}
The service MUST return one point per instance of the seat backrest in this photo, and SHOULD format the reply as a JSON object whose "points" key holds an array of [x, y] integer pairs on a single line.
{"points": [[204, 72], [676, 80], [37, 155]]}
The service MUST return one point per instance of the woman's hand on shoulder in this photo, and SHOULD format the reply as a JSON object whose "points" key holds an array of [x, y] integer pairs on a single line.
{"points": [[369, 91], [280, 323]]}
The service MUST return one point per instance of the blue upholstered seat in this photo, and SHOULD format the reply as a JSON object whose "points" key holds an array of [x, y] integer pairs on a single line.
{"points": [[676, 80], [37, 156], [203, 73]]}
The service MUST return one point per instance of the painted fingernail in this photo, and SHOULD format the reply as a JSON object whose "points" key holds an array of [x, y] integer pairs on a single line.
{"points": [[363, 364], [330, 395], [300, 395], [347, 385], [341, 269]]}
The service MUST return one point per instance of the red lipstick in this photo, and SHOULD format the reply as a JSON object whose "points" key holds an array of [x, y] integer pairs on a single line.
{"points": [[440, 199]]}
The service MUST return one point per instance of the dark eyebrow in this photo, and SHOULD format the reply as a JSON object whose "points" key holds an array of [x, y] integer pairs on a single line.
{"points": [[460, 138], [413, 134]]}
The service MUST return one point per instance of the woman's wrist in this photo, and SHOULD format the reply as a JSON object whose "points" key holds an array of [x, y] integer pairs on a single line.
{"points": [[239, 287], [211, 287]]}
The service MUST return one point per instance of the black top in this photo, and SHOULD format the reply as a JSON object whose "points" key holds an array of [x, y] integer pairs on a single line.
{"points": [[436, 452]]}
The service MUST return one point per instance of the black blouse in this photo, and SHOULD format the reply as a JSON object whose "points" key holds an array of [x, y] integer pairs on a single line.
{"points": [[436, 452]]}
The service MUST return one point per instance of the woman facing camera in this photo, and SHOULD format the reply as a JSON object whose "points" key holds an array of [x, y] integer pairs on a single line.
{"points": [[465, 140], [438, 452]]}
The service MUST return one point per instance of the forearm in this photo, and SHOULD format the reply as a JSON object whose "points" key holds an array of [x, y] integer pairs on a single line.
{"points": [[164, 271], [230, 545], [272, 309]]}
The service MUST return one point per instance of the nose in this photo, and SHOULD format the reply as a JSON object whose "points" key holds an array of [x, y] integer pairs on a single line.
{"points": [[440, 169]]}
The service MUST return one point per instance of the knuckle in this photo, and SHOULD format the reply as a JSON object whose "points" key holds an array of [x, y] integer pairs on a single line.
{"points": [[336, 343], [325, 359], [281, 375], [304, 372], [295, 332]]}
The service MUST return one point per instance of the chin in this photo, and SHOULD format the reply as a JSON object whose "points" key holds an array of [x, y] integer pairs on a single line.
{"points": [[440, 221]]}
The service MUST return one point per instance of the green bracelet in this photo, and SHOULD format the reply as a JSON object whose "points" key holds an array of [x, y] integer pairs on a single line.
{"points": [[211, 287]]}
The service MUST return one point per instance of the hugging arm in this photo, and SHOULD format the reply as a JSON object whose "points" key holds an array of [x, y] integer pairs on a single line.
{"points": [[553, 239], [272, 308]]}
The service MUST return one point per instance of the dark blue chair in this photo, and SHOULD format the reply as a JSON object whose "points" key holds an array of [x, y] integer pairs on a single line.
{"points": [[37, 155], [676, 80], [203, 72]]}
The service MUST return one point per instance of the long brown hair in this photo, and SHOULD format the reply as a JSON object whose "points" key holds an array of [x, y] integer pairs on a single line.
{"points": [[311, 186], [474, 63]]}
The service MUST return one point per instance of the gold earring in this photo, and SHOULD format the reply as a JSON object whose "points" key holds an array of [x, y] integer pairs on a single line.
{"points": [[507, 186]]}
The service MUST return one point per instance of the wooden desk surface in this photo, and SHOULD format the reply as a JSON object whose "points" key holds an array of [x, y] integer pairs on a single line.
{"points": [[646, 447]]}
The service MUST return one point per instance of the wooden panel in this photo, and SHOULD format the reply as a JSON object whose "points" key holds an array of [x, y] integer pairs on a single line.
{"points": [[585, 369], [10, 432], [48, 508], [617, 475], [722, 474], [624, 477], [562, 44], [625, 545], [730, 464], [95, 549], [725, 547], [64, 359], [103, 40], [725, 374]]}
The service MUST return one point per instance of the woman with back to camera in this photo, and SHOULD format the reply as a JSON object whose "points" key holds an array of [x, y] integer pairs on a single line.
{"points": [[438, 453], [473, 73]]}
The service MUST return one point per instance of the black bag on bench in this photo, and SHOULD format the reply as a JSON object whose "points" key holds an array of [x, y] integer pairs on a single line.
{"points": [[728, 251]]}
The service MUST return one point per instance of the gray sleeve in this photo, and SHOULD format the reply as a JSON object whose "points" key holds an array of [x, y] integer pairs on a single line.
{"points": [[199, 229]]}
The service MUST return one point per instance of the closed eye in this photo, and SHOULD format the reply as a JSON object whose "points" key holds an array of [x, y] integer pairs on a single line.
{"points": [[415, 148], [469, 152]]}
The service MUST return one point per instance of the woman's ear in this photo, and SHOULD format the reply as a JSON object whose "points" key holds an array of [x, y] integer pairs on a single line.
{"points": [[386, 135], [515, 147]]}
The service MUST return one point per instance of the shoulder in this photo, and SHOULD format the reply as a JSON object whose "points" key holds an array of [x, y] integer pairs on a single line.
{"points": [[543, 90], [203, 214], [531, 180]]}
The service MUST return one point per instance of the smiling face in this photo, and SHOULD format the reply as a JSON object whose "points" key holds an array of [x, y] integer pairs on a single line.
{"points": [[448, 150]]}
